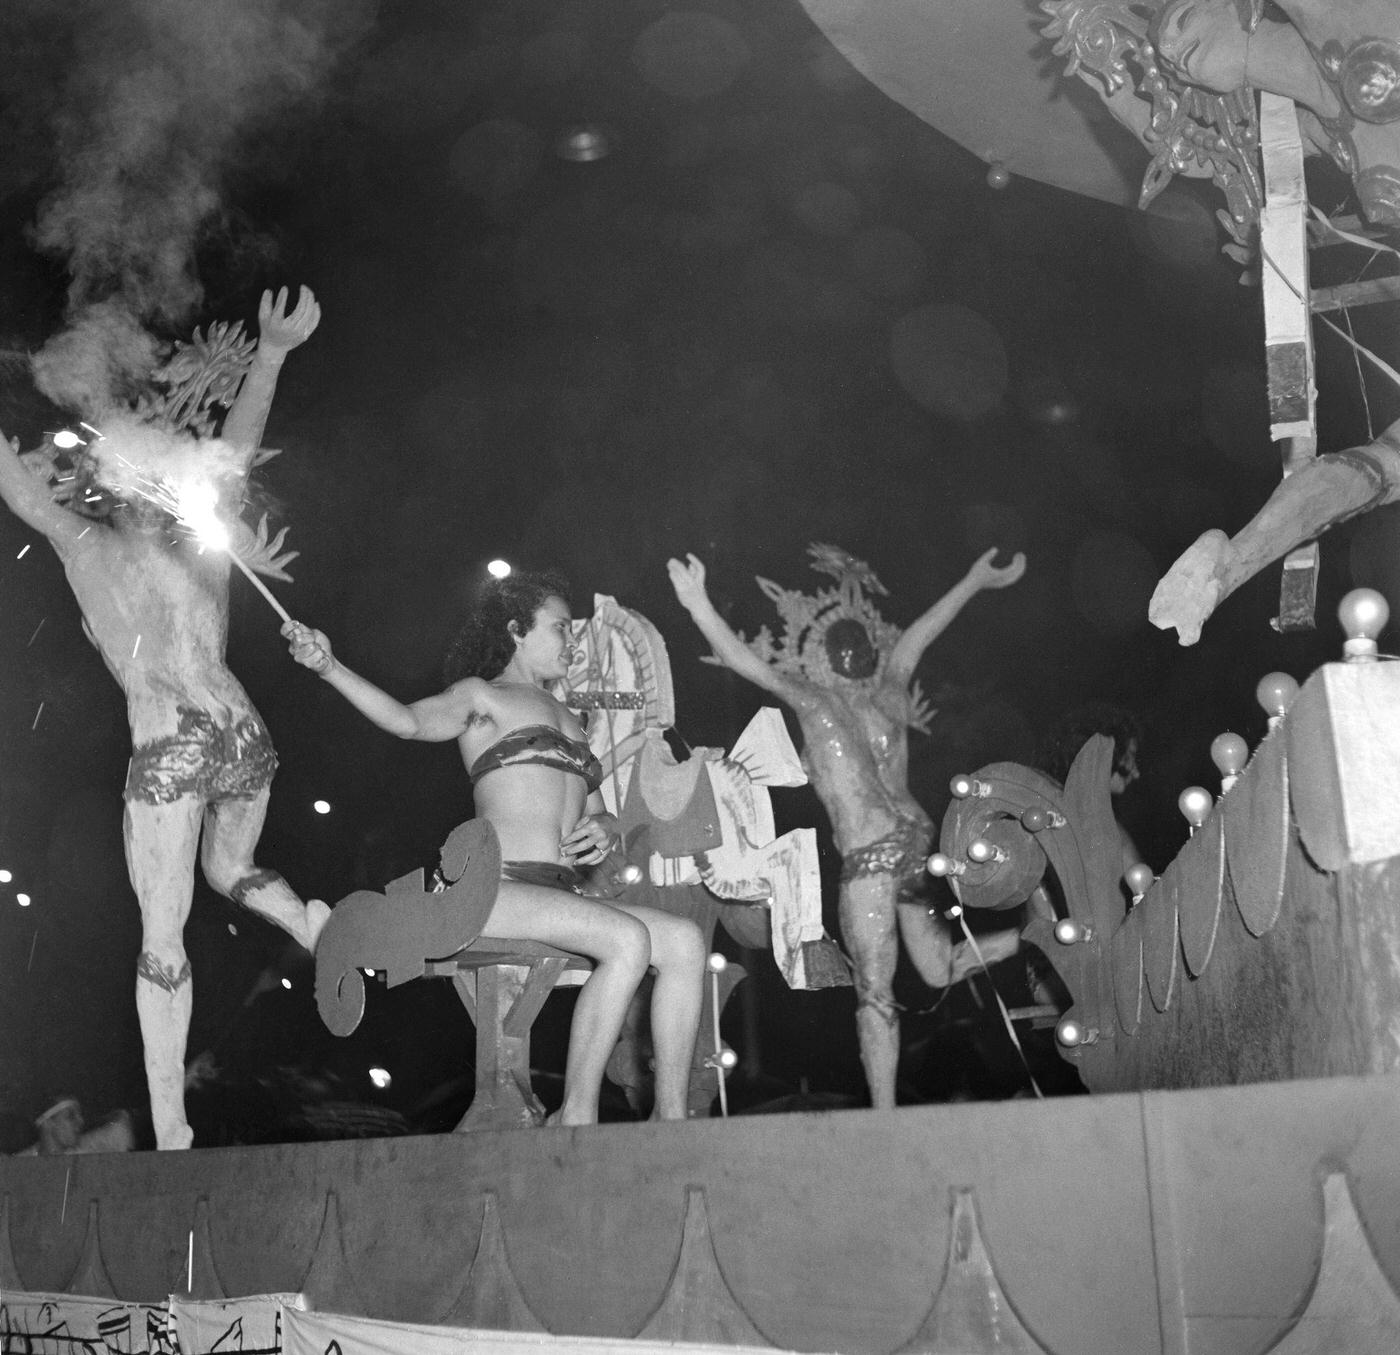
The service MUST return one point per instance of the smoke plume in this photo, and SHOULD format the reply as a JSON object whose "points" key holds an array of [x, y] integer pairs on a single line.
{"points": [[161, 99]]}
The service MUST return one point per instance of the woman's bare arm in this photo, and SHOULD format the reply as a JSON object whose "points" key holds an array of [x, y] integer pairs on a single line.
{"points": [[435, 719]]}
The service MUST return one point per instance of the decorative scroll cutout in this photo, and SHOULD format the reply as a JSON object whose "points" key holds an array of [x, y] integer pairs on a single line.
{"points": [[91, 1276], [1352, 1306], [407, 925], [1256, 836], [491, 1296], [971, 1311], [1203, 886], [698, 1304], [1161, 945], [1126, 966]]}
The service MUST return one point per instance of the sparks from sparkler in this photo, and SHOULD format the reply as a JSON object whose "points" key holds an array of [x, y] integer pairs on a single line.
{"points": [[196, 508], [194, 505]]}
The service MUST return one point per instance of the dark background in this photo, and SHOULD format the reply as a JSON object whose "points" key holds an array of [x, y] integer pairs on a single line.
{"points": [[778, 310]]}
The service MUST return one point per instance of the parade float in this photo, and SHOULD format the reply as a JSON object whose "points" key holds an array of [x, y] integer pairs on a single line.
{"points": [[1232, 1184]]}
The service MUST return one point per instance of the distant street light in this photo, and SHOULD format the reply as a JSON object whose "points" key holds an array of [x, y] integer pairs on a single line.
{"points": [[499, 569]]}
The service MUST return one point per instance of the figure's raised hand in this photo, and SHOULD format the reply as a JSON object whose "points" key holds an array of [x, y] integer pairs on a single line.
{"points": [[984, 574], [309, 647], [688, 579], [280, 331]]}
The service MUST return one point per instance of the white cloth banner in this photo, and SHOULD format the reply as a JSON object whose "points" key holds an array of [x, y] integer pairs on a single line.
{"points": [[251, 1325], [71, 1324], [332, 1334], [276, 1324]]}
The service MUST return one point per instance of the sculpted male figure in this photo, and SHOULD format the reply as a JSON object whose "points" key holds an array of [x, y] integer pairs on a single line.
{"points": [[847, 677], [156, 606]]}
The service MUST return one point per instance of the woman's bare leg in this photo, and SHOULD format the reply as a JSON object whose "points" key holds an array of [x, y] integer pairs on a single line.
{"points": [[620, 949], [678, 955]]}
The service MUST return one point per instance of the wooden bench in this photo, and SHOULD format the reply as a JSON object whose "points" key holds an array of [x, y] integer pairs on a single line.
{"points": [[503, 984]]}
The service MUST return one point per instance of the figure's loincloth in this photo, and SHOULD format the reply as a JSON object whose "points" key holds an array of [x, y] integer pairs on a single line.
{"points": [[202, 760], [550, 874], [599, 882], [902, 853]]}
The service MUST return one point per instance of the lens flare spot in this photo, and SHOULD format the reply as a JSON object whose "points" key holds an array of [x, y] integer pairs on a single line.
{"points": [[690, 55], [950, 360]]}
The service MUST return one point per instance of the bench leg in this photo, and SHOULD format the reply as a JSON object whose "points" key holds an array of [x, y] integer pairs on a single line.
{"points": [[503, 1001]]}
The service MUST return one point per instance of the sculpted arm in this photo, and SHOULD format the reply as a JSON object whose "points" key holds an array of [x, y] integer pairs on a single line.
{"points": [[25, 489], [278, 333], [688, 579], [909, 650], [435, 719]]}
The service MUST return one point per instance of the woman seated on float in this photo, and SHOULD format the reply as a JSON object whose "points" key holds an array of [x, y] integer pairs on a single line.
{"points": [[536, 781]]}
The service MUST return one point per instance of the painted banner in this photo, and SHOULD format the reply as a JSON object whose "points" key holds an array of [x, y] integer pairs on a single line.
{"points": [[251, 1325], [332, 1334], [69, 1324]]}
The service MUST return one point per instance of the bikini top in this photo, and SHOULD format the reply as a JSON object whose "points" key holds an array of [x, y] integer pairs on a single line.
{"points": [[540, 746]]}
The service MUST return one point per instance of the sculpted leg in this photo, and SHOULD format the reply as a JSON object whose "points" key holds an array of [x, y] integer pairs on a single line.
{"points": [[939, 961], [231, 832], [160, 850], [1318, 496], [868, 929]]}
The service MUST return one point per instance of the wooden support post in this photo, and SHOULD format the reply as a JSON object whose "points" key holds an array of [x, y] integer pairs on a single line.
{"points": [[1283, 239], [504, 1098]]}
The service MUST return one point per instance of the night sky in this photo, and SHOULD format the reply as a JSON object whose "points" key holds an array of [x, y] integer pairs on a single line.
{"points": [[777, 309]]}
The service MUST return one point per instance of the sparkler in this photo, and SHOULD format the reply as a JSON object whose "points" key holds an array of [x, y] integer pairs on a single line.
{"points": [[194, 505], [196, 508]]}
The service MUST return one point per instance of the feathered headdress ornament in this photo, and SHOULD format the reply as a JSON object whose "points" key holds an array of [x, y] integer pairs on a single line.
{"points": [[801, 648]]}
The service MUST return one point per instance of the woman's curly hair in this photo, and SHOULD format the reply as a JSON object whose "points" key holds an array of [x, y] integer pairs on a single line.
{"points": [[1062, 744], [484, 645]]}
